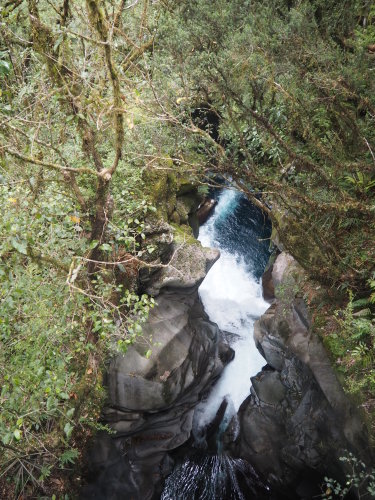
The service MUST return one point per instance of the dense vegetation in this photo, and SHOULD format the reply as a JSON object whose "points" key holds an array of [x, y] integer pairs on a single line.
{"points": [[286, 90], [72, 238], [278, 95]]}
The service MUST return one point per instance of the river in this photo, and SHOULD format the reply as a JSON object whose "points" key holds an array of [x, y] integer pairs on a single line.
{"points": [[232, 297]]}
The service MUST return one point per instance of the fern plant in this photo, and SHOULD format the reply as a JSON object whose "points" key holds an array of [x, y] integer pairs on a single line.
{"points": [[69, 457]]}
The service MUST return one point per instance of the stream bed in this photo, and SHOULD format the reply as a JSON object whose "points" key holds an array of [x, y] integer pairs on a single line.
{"points": [[232, 297]]}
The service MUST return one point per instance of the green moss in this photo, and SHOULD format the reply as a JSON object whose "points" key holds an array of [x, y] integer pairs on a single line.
{"points": [[164, 188], [184, 234], [160, 187], [186, 186], [271, 260]]}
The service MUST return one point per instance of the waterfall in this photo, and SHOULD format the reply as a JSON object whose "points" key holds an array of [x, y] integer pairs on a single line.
{"points": [[215, 477], [232, 297]]}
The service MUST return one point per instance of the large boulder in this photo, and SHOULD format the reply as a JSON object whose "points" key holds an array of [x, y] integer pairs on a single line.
{"points": [[154, 388], [297, 421], [187, 266], [184, 347]]}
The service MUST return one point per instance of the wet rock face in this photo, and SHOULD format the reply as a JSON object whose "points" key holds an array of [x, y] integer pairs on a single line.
{"points": [[188, 266], [297, 421], [186, 353], [268, 286], [151, 399], [205, 209]]}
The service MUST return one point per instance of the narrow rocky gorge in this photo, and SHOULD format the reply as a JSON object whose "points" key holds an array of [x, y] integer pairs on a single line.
{"points": [[294, 426], [151, 399]]}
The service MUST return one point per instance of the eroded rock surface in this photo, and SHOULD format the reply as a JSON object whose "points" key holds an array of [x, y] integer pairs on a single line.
{"points": [[297, 421], [186, 269], [151, 399]]}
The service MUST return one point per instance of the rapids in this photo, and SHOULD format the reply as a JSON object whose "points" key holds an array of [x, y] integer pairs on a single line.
{"points": [[232, 297]]}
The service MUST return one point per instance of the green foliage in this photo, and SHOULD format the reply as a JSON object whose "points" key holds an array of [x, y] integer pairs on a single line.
{"points": [[72, 240], [359, 481], [69, 456], [45, 351], [365, 32], [353, 347], [362, 182], [86, 113], [294, 93], [56, 329], [203, 189]]}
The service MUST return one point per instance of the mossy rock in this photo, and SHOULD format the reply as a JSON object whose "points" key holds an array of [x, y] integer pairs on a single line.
{"points": [[188, 267], [184, 234], [186, 186], [160, 187], [172, 191], [164, 188]]}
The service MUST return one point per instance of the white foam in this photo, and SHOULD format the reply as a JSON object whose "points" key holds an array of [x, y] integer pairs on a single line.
{"points": [[232, 298]]}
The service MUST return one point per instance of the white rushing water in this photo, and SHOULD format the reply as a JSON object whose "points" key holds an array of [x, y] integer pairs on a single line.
{"points": [[213, 477], [232, 298]]}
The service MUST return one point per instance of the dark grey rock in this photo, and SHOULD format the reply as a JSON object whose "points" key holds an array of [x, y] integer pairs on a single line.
{"points": [[151, 400], [268, 388], [297, 420]]}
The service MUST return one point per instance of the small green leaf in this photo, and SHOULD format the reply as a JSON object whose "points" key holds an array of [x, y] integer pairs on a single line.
{"points": [[6, 439], [17, 434], [4, 68], [105, 247], [21, 247], [69, 456], [68, 429], [93, 244], [57, 43], [70, 412]]}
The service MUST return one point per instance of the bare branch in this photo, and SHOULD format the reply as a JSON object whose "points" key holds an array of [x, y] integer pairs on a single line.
{"points": [[51, 166]]}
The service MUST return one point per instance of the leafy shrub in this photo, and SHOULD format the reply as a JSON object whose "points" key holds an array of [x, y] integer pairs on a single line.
{"points": [[360, 481]]}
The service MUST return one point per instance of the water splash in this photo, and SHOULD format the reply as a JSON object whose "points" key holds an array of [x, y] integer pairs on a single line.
{"points": [[213, 477], [227, 202], [232, 297]]}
